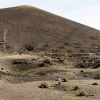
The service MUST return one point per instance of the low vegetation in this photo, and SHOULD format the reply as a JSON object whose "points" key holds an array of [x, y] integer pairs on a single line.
{"points": [[95, 37], [83, 93], [76, 88], [55, 50], [25, 47], [65, 80], [45, 85], [59, 83]]}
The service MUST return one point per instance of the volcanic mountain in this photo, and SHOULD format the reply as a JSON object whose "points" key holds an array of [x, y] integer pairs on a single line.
{"points": [[44, 31]]}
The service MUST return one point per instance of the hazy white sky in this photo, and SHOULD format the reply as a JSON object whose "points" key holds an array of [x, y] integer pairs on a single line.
{"points": [[82, 11]]}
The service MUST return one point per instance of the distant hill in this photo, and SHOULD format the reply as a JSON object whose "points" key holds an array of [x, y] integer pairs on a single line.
{"points": [[45, 32]]}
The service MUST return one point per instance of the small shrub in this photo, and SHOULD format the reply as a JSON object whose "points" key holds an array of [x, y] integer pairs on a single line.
{"points": [[58, 79], [95, 83], [55, 50], [41, 64], [59, 83], [65, 80], [76, 88], [94, 37], [82, 71], [83, 93], [45, 85], [2, 68], [65, 89], [91, 95], [25, 47], [16, 62], [85, 75]]}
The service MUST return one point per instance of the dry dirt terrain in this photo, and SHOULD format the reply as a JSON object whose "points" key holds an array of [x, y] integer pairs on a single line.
{"points": [[67, 77], [47, 57]]}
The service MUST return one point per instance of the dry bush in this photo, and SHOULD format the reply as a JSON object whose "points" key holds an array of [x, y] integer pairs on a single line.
{"points": [[45, 85], [59, 83], [58, 79], [83, 93], [25, 47], [65, 80], [76, 88]]}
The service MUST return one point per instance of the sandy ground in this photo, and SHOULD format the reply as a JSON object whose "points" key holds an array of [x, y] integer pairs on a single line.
{"points": [[31, 91], [24, 85]]}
